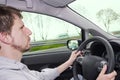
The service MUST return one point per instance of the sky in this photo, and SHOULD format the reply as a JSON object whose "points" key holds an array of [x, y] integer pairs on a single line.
{"points": [[53, 27], [93, 6]]}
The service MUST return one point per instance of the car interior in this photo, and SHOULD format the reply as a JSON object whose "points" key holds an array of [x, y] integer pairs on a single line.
{"points": [[48, 18]]}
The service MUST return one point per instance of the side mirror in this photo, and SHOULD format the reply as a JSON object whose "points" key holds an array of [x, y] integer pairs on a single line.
{"points": [[73, 44]]}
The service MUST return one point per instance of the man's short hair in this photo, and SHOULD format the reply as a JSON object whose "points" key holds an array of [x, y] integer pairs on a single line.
{"points": [[7, 16]]}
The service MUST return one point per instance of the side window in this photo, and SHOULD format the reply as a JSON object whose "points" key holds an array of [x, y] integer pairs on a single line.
{"points": [[49, 32]]}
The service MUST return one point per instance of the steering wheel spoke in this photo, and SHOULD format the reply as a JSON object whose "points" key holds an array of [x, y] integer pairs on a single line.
{"points": [[79, 60]]}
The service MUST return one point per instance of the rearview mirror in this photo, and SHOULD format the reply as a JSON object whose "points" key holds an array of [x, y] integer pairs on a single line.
{"points": [[73, 44]]}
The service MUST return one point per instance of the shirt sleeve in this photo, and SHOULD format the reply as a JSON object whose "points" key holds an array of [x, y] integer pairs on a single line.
{"points": [[47, 74]]}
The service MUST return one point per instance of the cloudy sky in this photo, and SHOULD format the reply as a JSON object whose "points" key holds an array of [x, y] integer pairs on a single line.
{"points": [[91, 7]]}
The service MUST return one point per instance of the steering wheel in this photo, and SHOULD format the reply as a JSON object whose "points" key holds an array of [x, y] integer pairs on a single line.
{"points": [[91, 64]]}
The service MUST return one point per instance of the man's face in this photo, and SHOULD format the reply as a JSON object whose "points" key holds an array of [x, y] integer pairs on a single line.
{"points": [[20, 35]]}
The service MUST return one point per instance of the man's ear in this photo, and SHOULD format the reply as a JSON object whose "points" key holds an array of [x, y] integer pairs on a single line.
{"points": [[5, 38]]}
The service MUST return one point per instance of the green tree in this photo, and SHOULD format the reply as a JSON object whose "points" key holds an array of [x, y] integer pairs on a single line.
{"points": [[107, 16]]}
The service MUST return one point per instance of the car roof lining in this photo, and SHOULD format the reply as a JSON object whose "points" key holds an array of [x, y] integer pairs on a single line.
{"points": [[58, 3], [3, 1], [29, 3]]}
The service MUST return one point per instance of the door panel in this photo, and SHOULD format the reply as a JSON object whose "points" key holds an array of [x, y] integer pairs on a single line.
{"points": [[48, 60]]}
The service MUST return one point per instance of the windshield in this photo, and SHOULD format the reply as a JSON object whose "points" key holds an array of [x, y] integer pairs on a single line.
{"points": [[104, 13]]}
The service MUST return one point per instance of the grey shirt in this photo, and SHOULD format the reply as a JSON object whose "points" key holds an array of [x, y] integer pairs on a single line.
{"points": [[14, 70]]}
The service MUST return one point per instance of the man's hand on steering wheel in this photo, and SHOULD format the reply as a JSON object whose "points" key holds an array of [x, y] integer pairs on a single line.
{"points": [[103, 76]]}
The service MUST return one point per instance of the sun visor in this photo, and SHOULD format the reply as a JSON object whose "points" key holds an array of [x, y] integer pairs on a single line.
{"points": [[58, 3]]}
